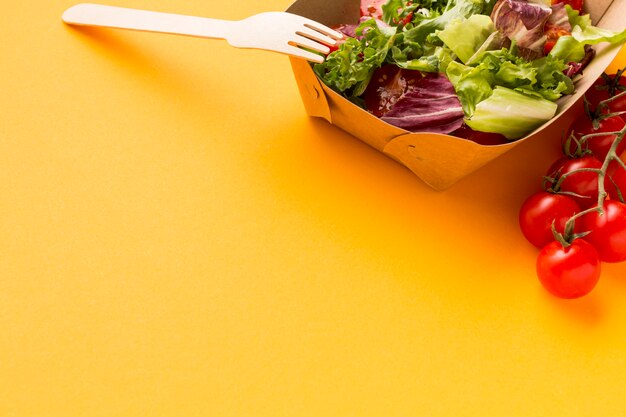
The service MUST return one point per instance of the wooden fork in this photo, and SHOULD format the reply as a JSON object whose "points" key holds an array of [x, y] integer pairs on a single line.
{"points": [[271, 31]]}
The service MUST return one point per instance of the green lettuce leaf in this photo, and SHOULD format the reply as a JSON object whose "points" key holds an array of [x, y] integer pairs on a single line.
{"points": [[429, 56], [459, 9], [572, 48], [465, 36], [427, 63], [511, 113], [472, 84], [349, 69], [395, 11], [552, 83], [542, 78]]}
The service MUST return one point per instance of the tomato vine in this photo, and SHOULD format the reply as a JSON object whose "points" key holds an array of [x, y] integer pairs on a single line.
{"points": [[583, 196]]}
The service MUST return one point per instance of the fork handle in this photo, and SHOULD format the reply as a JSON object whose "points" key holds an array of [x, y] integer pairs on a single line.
{"points": [[87, 14]]}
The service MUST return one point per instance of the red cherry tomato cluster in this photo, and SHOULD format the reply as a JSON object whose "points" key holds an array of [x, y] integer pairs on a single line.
{"points": [[578, 219]]}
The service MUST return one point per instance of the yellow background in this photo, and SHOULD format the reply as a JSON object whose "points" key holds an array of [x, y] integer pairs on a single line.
{"points": [[178, 238]]}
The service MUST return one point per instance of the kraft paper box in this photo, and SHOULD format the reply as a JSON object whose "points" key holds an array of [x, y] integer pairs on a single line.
{"points": [[439, 160]]}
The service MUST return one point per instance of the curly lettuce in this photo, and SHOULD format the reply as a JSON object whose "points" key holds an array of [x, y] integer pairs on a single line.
{"points": [[542, 78], [350, 68]]}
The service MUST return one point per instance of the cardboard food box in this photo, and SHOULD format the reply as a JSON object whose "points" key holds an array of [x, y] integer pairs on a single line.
{"points": [[439, 160]]}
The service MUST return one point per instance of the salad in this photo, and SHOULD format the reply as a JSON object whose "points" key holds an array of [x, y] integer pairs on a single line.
{"points": [[486, 70]]}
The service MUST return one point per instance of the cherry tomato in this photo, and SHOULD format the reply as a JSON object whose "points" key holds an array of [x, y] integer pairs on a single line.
{"points": [[617, 181], [608, 231], [347, 31], [605, 87], [372, 8], [406, 20], [576, 4], [538, 213], [548, 46], [568, 272], [582, 183], [553, 33], [598, 145]]}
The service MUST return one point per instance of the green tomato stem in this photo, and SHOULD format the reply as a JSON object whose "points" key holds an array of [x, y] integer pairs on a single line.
{"points": [[605, 103], [602, 172], [576, 171]]}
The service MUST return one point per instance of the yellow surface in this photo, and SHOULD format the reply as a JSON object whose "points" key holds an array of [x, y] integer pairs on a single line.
{"points": [[178, 238]]}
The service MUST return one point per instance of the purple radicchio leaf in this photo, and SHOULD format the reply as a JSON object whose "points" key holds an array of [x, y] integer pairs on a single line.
{"points": [[559, 17], [346, 29], [522, 22], [431, 105], [350, 29], [575, 68]]}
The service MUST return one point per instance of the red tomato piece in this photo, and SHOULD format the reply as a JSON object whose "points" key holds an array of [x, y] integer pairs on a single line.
{"points": [[548, 46], [598, 145], [568, 272], [553, 33], [338, 43], [407, 19], [540, 210], [608, 231], [372, 8], [579, 181], [576, 4]]}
